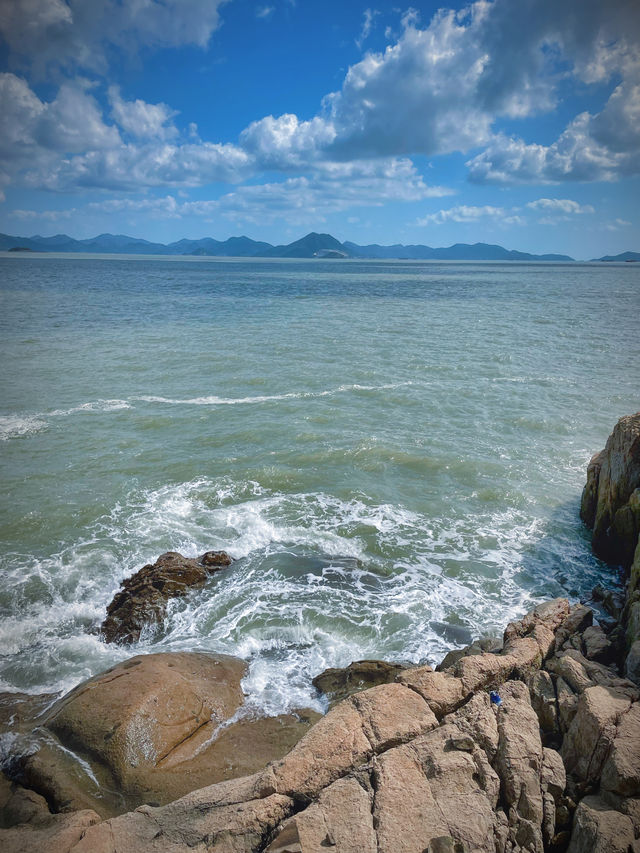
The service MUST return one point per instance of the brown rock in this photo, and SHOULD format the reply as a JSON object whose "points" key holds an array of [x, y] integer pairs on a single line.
{"points": [[348, 736], [453, 793], [211, 819], [477, 719], [58, 834], [341, 819], [151, 730], [543, 701], [632, 663], [143, 598], [589, 502], [621, 772], [599, 829], [440, 690], [592, 732], [597, 645]]}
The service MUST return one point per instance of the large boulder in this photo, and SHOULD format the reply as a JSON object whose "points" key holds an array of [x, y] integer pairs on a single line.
{"points": [[142, 601], [151, 729]]}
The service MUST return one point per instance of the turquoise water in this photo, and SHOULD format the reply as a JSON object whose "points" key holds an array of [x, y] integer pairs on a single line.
{"points": [[393, 451]]}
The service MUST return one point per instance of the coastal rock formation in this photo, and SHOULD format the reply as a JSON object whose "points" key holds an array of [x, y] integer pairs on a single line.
{"points": [[152, 729], [611, 498], [143, 598], [533, 747]]}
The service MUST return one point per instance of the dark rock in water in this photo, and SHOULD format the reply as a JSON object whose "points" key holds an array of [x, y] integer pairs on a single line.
{"points": [[338, 683], [452, 633], [144, 596]]}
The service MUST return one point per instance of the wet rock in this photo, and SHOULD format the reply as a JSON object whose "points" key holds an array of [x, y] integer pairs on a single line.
{"points": [[142, 601], [611, 600], [599, 829], [338, 683]]}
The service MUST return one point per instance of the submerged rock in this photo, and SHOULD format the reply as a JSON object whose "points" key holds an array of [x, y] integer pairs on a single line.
{"points": [[144, 596]]}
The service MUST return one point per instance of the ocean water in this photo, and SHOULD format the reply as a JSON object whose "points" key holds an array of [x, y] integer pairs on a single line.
{"points": [[392, 451]]}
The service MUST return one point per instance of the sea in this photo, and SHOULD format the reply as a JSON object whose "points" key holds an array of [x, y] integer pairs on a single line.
{"points": [[393, 452]]}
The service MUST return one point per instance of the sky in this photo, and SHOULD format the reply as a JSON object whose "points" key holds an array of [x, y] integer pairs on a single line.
{"points": [[503, 121]]}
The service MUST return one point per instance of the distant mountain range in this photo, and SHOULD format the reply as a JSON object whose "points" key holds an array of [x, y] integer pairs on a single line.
{"points": [[623, 256], [312, 246]]}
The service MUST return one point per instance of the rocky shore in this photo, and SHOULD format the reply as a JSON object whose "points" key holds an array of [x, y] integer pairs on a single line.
{"points": [[533, 745]]}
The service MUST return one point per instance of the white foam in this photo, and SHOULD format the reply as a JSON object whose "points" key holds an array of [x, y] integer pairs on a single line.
{"points": [[266, 398], [15, 426]]}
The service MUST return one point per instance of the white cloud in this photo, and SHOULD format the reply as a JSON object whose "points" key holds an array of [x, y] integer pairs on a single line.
{"points": [[563, 208], [286, 142], [140, 119], [462, 213], [561, 205], [367, 25], [79, 33], [264, 11], [333, 188]]}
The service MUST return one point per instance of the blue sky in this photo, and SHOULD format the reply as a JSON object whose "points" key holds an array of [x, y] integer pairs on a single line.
{"points": [[511, 121]]}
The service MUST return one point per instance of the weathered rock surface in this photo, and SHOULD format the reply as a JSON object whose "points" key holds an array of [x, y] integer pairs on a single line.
{"points": [[142, 601], [152, 729], [338, 683]]}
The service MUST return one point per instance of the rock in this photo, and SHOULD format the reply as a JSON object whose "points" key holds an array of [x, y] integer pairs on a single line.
{"points": [[337, 684], [152, 729], [579, 618], [218, 819], [341, 819], [57, 834], [597, 645], [611, 481], [589, 502], [519, 758], [543, 701], [143, 598], [621, 771], [599, 829], [453, 793], [440, 690], [347, 737], [581, 673], [612, 600], [477, 719], [632, 663], [592, 732], [19, 805], [567, 704], [463, 743]]}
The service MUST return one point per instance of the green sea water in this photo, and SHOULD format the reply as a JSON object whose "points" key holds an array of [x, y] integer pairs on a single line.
{"points": [[392, 451]]}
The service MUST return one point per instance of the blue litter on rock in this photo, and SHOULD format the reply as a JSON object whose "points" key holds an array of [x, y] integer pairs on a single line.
{"points": [[495, 698]]}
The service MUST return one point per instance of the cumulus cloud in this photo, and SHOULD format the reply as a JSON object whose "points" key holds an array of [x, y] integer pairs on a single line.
{"points": [[77, 33], [140, 119]]}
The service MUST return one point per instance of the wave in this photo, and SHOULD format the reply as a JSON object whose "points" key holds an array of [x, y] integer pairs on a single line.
{"points": [[267, 398], [17, 425]]}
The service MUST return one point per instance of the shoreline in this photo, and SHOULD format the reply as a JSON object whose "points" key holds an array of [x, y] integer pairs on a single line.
{"points": [[520, 761]]}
